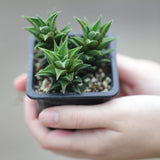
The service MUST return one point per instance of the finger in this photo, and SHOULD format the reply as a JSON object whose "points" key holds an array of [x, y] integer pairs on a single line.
{"points": [[31, 117], [127, 69], [20, 83], [81, 142], [74, 117]]}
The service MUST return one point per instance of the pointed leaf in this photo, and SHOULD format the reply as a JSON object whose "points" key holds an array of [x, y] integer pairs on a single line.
{"points": [[59, 72], [64, 85], [72, 52], [49, 55], [104, 29], [73, 43], [44, 29], [91, 43], [97, 24], [34, 21], [43, 45], [63, 49], [83, 68], [84, 27], [78, 40], [41, 22], [34, 32], [101, 61], [77, 80], [105, 42], [49, 71], [75, 64], [93, 52], [66, 29], [68, 77], [106, 52], [53, 86], [62, 65]]}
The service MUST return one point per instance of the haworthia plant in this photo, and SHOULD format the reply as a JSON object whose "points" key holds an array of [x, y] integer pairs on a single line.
{"points": [[62, 67], [45, 31], [93, 41]]}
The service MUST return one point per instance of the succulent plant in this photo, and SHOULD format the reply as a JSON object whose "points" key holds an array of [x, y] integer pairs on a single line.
{"points": [[46, 32], [65, 62], [63, 66], [93, 41]]}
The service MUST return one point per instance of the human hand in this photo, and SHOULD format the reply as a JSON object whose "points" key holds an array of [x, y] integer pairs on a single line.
{"points": [[138, 76], [110, 130]]}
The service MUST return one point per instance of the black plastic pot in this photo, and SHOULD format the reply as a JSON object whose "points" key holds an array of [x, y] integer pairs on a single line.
{"points": [[55, 99]]}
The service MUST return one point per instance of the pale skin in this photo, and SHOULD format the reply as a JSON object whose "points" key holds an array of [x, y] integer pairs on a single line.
{"points": [[125, 128]]}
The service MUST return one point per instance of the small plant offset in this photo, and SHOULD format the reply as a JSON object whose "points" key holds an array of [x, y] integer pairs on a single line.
{"points": [[66, 63]]}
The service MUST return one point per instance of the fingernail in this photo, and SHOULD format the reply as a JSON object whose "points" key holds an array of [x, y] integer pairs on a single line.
{"points": [[49, 118]]}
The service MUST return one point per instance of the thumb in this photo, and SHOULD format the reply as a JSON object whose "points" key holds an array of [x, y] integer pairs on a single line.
{"points": [[74, 117]]}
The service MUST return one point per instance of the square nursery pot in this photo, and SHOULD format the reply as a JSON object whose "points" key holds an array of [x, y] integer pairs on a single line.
{"points": [[45, 100]]}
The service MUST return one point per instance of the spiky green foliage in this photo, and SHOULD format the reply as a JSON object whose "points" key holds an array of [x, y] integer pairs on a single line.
{"points": [[62, 67], [93, 41], [93, 34], [45, 31], [67, 66]]}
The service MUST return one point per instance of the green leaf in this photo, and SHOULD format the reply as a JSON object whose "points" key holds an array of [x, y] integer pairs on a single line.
{"points": [[87, 58], [75, 64], [106, 52], [84, 27], [73, 52], [45, 36], [73, 43], [66, 29], [59, 36], [49, 55], [93, 52], [78, 40], [49, 71], [51, 19], [97, 24], [54, 85], [105, 42], [91, 43], [64, 85], [68, 77], [34, 21], [44, 29], [63, 50], [43, 45], [59, 72], [104, 29], [83, 68], [92, 35], [101, 61], [76, 89], [62, 65], [34, 32], [55, 47], [77, 80], [41, 22]]}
